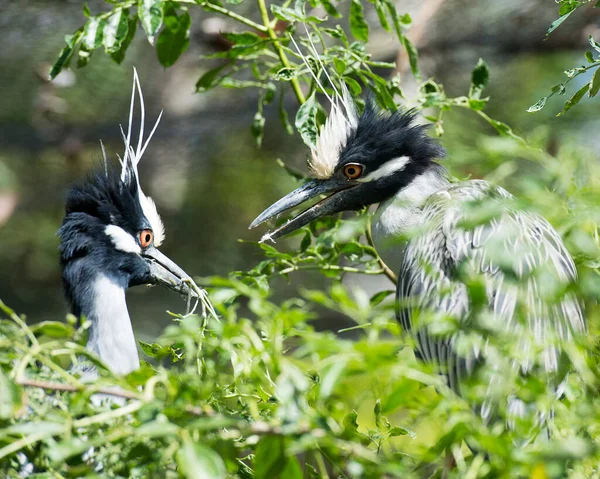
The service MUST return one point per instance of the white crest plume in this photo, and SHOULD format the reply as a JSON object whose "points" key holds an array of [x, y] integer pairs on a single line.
{"points": [[132, 157], [341, 122]]}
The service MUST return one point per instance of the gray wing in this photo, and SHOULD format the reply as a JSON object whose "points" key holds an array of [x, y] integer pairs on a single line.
{"points": [[519, 256]]}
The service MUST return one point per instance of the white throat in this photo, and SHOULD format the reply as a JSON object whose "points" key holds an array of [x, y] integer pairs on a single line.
{"points": [[111, 335], [400, 213]]}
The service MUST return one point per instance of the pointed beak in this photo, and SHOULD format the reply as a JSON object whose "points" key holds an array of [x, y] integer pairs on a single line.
{"points": [[165, 272], [339, 199]]}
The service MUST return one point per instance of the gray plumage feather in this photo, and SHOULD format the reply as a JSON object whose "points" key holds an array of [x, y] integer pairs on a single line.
{"points": [[520, 258]]}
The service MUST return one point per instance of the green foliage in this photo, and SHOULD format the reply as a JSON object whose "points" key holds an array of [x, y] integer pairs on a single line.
{"points": [[591, 88], [264, 58], [567, 7]]}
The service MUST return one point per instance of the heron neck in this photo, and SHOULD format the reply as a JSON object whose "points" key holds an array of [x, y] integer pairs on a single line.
{"points": [[402, 212], [111, 333]]}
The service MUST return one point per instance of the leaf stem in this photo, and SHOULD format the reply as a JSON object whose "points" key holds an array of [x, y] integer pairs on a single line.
{"points": [[228, 13], [331, 267], [278, 48]]}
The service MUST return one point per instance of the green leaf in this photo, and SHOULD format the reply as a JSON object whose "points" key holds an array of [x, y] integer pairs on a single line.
{"points": [[305, 241], [197, 461], [53, 329], [292, 470], [353, 85], [411, 51], [63, 58], [358, 25], [63, 450], [150, 13], [65, 54], [571, 102], [119, 55], [594, 84], [567, 6], [381, 14], [283, 114], [595, 45], [477, 104], [157, 428], [330, 9], [154, 350], [400, 431], [538, 105], [306, 121], [556, 23], [589, 56], [234, 2], [339, 65], [269, 457], [115, 31], [245, 38], [175, 37], [10, 397], [284, 74], [93, 33], [480, 75], [330, 376], [209, 79], [380, 296], [258, 127], [504, 130], [293, 16], [350, 421], [413, 57]]}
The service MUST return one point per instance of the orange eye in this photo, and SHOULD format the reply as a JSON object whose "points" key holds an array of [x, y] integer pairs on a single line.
{"points": [[353, 170], [146, 238]]}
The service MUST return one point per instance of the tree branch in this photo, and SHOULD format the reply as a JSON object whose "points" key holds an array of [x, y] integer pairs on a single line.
{"points": [[282, 56], [33, 383]]}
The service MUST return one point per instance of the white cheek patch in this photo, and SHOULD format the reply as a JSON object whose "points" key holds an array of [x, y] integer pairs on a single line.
{"points": [[149, 209], [122, 240], [387, 169]]}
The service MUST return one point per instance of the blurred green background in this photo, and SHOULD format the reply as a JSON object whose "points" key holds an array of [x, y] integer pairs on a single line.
{"points": [[203, 168]]}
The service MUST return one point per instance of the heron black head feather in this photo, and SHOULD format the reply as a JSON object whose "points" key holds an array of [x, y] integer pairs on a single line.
{"points": [[382, 135]]}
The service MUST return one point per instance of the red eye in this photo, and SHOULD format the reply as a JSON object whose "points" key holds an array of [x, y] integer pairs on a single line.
{"points": [[146, 238], [353, 170]]}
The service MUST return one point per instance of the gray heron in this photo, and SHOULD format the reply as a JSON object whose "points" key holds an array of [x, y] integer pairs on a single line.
{"points": [[423, 229], [109, 242]]}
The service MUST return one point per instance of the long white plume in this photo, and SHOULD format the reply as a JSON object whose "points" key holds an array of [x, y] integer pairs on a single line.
{"points": [[132, 157], [341, 122]]}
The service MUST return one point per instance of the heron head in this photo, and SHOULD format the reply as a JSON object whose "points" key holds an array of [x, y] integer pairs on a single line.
{"points": [[112, 228], [357, 161]]}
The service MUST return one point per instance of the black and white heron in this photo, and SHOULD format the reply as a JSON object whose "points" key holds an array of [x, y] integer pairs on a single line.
{"points": [[386, 159], [109, 242]]}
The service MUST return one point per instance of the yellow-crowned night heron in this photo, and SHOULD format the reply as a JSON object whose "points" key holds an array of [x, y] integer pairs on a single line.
{"points": [[385, 158], [109, 240]]}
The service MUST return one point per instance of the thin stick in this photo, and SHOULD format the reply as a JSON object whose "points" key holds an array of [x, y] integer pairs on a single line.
{"points": [[33, 383], [386, 269]]}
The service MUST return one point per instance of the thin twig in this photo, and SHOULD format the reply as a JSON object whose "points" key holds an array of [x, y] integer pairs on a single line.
{"points": [[386, 269], [331, 267], [228, 13], [33, 383], [278, 48]]}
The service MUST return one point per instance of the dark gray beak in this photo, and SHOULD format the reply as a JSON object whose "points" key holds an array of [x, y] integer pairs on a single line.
{"points": [[165, 272], [338, 200]]}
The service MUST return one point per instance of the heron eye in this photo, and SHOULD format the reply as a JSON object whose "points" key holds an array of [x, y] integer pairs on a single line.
{"points": [[146, 238], [353, 170]]}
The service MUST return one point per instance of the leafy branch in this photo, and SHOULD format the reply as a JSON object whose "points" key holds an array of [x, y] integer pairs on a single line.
{"points": [[591, 88]]}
